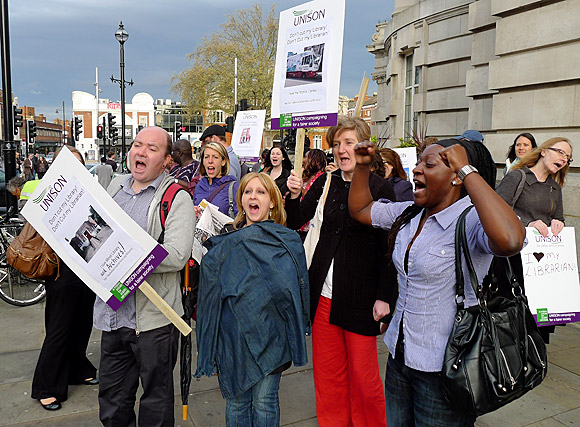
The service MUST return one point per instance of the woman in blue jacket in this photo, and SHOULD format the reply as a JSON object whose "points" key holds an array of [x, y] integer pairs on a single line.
{"points": [[253, 305], [216, 186]]}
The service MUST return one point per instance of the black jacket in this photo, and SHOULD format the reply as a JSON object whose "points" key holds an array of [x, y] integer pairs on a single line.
{"points": [[358, 252]]}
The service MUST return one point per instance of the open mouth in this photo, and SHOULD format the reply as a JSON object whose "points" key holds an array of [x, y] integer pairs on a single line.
{"points": [[559, 164], [139, 165], [419, 186], [253, 209], [210, 169]]}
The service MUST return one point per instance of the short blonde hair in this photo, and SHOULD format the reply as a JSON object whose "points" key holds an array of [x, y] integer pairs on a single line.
{"points": [[278, 213], [216, 146], [359, 126]]}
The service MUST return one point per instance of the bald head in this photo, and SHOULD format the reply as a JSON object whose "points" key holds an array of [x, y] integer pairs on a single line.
{"points": [[157, 133], [182, 152]]}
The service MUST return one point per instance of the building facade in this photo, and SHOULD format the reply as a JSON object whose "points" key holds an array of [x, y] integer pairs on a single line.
{"points": [[138, 113], [498, 66]]}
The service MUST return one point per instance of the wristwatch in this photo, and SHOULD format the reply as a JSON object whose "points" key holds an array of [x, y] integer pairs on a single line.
{"points": [[464, 171]]}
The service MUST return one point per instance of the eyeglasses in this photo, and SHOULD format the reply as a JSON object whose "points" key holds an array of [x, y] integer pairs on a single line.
{"points": [[561, 153]]}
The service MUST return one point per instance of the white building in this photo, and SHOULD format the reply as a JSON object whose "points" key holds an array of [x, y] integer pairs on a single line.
{"points": [[140, 112]]}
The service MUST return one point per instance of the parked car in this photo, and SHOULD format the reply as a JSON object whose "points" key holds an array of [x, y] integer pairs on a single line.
{"points": [[49, 157]]}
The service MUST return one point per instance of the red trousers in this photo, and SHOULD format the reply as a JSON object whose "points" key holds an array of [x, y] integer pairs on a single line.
{"points": [[349, 390]]}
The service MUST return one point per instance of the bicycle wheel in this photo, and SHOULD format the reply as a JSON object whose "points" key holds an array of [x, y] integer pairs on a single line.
{"points": [[17, 289]]}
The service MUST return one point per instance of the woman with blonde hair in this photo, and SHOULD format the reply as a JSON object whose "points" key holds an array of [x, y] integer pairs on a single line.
{"points": [[539, 203], [216, 185], [346, 306], [253, 305]]}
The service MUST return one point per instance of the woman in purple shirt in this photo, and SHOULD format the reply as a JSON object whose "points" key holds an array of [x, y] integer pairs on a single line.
{"points": [[422, 245]]}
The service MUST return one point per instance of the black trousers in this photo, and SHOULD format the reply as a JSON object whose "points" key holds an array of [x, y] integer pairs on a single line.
{"points": [[68, 318], [127, 357]]}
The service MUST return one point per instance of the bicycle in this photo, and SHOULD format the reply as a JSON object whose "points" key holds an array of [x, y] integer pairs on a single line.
{"points": [[15, 288]]}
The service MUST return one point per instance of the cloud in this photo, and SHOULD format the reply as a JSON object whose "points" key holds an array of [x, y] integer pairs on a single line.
{"points": [[36, 92]]}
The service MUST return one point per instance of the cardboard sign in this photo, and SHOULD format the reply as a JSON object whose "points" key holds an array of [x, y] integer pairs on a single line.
{"points": [[91, 234], [551, 277], [247, 136], [308, 62]]}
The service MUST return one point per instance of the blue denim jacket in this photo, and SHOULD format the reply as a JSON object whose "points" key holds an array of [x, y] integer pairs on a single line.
{"points": [[253, 305]]}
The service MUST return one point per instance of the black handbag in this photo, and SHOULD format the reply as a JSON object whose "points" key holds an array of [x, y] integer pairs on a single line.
{"points": [[494, 354]]}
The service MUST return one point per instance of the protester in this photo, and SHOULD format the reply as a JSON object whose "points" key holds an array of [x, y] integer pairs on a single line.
{"points": [[138, 342], [68, 323], [421, 241], [111, 160], [278, 166], [346, 305], [260, 164], [216, 185], [253, 305], [313, 166], [27, 169], [185, 168], [217, 133], [22, 189], [104, 173], [539, 204], [396, 175], [42, 167], [523, 144]]}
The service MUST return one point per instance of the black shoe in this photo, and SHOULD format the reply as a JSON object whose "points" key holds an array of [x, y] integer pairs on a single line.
{"points": [[53, 406], [92, 381]]}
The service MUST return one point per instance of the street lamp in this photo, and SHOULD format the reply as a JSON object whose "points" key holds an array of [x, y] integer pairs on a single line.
{"points": [[122, 35], [63, 124]]}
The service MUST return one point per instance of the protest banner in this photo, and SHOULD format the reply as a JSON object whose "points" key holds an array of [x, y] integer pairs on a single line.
{"points": [[93, 236], [408, 157], [551, 277], [247, 136], [308, 64]]}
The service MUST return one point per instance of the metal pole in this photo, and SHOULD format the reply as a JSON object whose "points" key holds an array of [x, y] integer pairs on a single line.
{"points": [[97, 115], [8, 149], [122, 102], [63, 125], [235, 82]]}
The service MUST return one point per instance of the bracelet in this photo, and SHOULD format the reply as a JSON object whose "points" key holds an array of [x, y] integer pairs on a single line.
{"points": [[465, 170]]}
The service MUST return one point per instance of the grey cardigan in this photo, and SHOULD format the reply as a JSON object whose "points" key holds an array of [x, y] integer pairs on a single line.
{"points": [[539, 200], [178, 241]]}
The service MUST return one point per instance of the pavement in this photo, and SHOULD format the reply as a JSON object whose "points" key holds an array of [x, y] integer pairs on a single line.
{"points": [[556, 402]]}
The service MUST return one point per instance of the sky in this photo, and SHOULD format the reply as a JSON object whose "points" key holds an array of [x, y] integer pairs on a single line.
{"points": [[56, 45]]}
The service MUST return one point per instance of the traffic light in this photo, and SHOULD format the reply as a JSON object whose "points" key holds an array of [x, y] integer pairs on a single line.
{"points": [[100, 133], [230, 124], [111, 124], [31, 131], [177, 130], [17, 118], [114, 134], [78, 127], [244, 106]]}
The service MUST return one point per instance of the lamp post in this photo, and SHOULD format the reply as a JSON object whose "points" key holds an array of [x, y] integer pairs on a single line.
{"points": [[122, 35], [63, 124]]}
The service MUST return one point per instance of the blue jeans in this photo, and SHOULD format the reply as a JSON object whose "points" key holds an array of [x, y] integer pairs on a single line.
{"points": [[257, 407], [416, 398]]}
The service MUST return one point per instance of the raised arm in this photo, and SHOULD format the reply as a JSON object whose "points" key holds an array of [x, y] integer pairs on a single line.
{"points": [[360, 199], [505, 231]]}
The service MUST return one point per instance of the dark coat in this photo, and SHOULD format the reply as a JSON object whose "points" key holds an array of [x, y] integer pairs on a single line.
{"points": [[358, 252]]}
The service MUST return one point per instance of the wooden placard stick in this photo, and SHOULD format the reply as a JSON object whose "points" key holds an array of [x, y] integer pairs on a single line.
{"points": [[299, 151], [165, 308], [361, 95]]}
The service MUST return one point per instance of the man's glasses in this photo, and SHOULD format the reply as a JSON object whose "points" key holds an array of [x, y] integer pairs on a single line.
{"points": [[561, 153]]}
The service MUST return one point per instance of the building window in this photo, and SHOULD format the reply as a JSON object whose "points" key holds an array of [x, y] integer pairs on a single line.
{"points": [[412, 77], [218, 116], [317, 141]]}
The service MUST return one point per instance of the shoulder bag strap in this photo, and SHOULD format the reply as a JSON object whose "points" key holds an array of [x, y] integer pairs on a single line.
{"points": [[519, 189], [216, 192], [231, 200], [461, 242], [326, 186]]}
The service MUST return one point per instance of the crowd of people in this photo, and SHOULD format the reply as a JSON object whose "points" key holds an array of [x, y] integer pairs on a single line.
{"points": [[384, 257]]}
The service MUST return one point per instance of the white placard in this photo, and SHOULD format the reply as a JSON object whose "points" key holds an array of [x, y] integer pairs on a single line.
{"points": [[308, 64], [551, 276], [90, 233], [247, 136], [408, 157]]}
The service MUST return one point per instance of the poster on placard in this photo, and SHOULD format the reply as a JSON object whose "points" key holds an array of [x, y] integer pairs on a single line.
{"points": [[408, 157], [308, 64], [551, 277], [247, 136], [90, 233]]}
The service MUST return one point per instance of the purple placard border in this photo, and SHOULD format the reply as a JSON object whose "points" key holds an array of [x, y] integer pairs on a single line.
{"points": [[308, 121], [559, 318], [244, 159], [141, 272]]}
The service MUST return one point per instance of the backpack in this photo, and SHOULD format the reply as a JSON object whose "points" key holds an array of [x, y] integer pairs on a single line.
{"points": [[190, 272]]}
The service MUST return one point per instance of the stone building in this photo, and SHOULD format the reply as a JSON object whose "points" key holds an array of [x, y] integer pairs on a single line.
{"points": [[499, 66]]}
